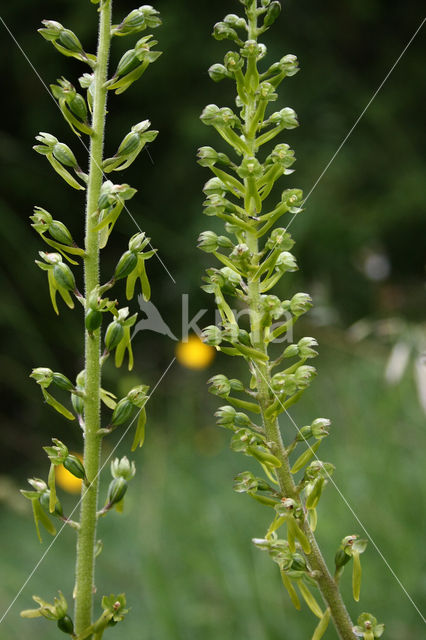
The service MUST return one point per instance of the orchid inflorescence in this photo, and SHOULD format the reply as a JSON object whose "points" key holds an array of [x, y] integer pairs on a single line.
{"points": [[255, 254], [85, 112]]}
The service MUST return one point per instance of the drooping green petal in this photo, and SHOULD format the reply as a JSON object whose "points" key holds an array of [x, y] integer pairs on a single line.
{"points": [[291, 590], [356, 575], [57, 405], [140, 430], [310, 599], [322, 625], [52, 486]]}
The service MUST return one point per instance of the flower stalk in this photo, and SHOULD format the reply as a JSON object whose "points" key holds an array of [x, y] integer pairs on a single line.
{"points": [[92, 443], [238, 195]]}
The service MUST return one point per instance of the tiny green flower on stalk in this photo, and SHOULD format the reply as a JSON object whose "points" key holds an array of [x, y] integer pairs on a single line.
{"points": [[85, 113], [255, 254]]}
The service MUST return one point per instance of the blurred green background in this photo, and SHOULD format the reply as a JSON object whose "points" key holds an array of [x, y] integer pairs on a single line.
{"points": [[182, 549]]}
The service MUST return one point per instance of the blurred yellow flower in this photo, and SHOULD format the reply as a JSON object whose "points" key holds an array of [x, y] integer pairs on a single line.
{"points": [[194, 354], [66, 480]]}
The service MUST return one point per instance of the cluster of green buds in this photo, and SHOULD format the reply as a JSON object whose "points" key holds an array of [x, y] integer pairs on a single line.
{"points": [[255, 254], [85, 113]]}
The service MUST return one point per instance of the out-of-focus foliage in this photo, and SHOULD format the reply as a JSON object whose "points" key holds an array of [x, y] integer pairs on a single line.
{"points": [[188, 560]]}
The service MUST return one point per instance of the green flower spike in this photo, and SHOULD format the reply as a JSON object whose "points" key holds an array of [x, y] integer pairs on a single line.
{"points": [[86, 113], [253, 255]]}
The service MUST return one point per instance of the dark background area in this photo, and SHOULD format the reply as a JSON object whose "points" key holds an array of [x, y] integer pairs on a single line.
{"points": [[370, 204]]}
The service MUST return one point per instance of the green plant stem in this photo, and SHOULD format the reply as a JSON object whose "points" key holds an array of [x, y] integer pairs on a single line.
{"points": [[92, 444], [327, 585]]}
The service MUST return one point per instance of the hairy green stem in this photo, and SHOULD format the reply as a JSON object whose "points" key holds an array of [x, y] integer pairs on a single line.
{"points": [[85, 570], [327, 585]]}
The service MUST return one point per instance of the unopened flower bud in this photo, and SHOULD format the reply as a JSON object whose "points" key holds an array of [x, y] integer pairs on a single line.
{"points": [[215, 186], [116, 490], [62, 381], [272, 13], [93, 320], [212, 335], [69, 41], [279, 239], [114, 335], [286, 118], [123, 468], [126, 265], [138, 242], [218, 72], [64, 276], [64, 155], [233, 61], [138, 395], [66, 625], [253, 49], [304, 376], [245, 482], [225, 416], [222, 31], [300, 303], [286, 262], [45, 500], [306, 347], [207, 241], [220, 385], [284, 383], [60, 233], [122, 412], [74, 466]]}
